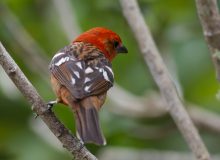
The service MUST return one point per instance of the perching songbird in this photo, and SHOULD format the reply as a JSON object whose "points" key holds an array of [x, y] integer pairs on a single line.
{"points": [[81, 74]]}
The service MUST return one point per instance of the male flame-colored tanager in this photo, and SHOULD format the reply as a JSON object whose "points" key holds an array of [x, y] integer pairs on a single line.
{"points": [[81, 75]]}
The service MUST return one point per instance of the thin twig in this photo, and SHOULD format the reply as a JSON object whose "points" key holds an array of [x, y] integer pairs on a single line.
{"points": [[209, 17], [67, 18], [161, 76], [119, 153], [152, 105], [205, 119], [25, 40], [70, 142]]}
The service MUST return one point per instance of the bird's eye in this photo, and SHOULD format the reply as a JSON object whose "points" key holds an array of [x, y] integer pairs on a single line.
{"points": [[116, 44]]}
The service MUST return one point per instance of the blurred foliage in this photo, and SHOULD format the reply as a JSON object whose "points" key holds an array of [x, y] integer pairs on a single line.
{"points": [[178, 34]]}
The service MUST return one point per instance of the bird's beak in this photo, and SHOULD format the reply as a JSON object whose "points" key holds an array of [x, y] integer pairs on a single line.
{"points": [[121, 49]]}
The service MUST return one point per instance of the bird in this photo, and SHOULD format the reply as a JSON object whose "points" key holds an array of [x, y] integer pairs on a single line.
{"points": [[81, 74]]}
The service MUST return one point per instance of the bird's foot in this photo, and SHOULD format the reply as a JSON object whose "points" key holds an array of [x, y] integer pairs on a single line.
{"points": [[35, 115], [50, 105]]}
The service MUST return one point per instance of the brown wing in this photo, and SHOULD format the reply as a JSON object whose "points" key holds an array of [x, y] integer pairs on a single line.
{"points": [[82, 78]]}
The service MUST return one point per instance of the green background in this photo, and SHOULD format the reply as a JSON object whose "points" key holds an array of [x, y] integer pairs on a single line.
{"points": [[178, 35]]}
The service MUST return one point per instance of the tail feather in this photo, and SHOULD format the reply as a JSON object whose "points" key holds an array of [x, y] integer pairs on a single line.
{"points": [[87, 123]]}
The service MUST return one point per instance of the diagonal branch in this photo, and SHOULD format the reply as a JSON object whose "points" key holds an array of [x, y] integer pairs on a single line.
{"points": [[209, 17], [67, 18], [70, 142], [162, 78], [25, 40]]}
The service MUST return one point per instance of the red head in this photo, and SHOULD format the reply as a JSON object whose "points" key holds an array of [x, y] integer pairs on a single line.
{"points": [[105, 40]]}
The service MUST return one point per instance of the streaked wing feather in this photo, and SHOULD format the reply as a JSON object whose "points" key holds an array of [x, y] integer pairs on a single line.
{"points": [[64, 75], [99, 87], [69, 72]]}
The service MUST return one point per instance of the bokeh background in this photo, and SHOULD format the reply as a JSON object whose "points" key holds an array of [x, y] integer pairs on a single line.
{"points": [[30, 29]]}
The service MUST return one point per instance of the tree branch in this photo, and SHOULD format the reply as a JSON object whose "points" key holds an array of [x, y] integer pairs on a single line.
{"points": [[25, 40], [150, 105], [71, 143], [210, 20], [118, 153], [67, 18], [161, 76], [205, 119]]}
